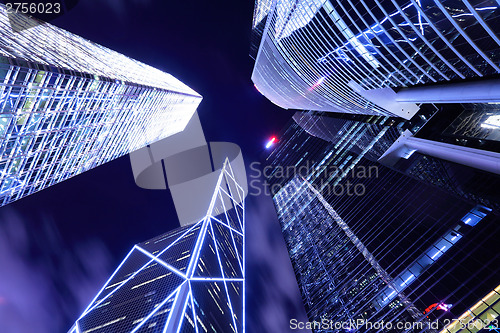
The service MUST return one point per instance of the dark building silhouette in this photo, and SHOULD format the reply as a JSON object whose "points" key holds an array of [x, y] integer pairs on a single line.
{"points": [[370, 243], [374, 57]]}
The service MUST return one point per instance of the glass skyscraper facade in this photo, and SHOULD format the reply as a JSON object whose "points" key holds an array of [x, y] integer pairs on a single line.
{"points": [[374, 134], [371, 136], [468, 183], [353, 56], [335, 271], [191, 279], [370, 245], [68, 105]]}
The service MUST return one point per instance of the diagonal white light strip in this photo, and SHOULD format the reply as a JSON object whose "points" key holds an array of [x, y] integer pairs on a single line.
{"points": [[217, 279], [169, 318], [217, 252], [237, 256], [199, 242], [223, 277], [231, 307], [238, 215], [118, 287], [183, 314], [161, 262], [197, 248], [239, 262], [231, 196], [233, 202], [227, 215], [195, 321], [231, 174], [225, 211], [238, 187], [175, 292], [420, 18], [351, 37], [481, 21], [217, 187], [181, 236], [135, 273], [465, 35], [235, 248]]}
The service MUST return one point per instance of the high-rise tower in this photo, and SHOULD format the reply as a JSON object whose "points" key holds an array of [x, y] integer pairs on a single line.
{"points": [[376, 57], [68, 105], [191, 279], [370, 245]]}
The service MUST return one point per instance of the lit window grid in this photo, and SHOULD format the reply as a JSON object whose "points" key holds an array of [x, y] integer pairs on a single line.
{"points": [[483, 313], [261, 9], [314, 237], [335, 155], [405, 278], [54, 126], [312, 240], [287, 45], [219, 286], [315, 125], [298, 60], [332, 93], [408, 39], [49, 45], [294, 200], [405, 31]]}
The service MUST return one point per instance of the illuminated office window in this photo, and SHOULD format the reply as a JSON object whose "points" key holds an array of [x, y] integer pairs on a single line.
{"points": [[68, 105]]}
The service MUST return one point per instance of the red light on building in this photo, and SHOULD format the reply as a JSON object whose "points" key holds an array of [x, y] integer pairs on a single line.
{"points": [[271, 142]]}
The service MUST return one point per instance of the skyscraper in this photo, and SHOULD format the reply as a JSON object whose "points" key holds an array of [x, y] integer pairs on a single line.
{"points": [[191, 279], [462, 165], [375, 57], [68, 105], [370, 245], [431, 63]]}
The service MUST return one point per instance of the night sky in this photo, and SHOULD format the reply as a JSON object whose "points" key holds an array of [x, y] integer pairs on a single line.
{"points": [[58, 246]]}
